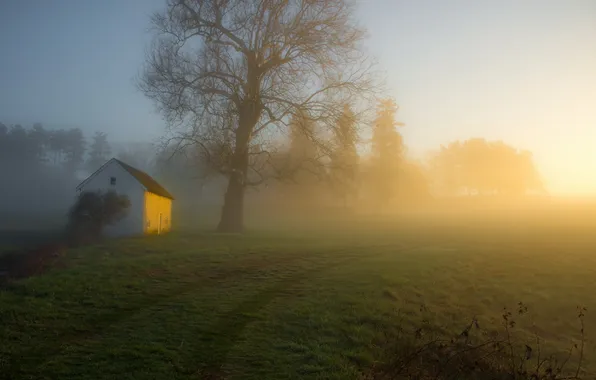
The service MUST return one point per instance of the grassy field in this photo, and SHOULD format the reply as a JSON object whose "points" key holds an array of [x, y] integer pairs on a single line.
{"points": [[307, 302]]}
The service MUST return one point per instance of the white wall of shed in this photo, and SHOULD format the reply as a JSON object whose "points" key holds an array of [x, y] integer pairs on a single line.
{"points": [[127, 185]]}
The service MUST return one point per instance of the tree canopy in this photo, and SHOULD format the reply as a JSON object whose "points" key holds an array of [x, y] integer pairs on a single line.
{"points": [[387, 152], [478, 166], [227, 75]]}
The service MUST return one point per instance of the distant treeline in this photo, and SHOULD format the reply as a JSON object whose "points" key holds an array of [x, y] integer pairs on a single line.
{"points": [[307, 172], [39, 170], [43, 164], [386, 176], [481, 167], [37, 148], [41, 167]]}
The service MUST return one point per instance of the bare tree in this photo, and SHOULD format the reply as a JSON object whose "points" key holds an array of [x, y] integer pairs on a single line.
{"points": [[228, 74]]}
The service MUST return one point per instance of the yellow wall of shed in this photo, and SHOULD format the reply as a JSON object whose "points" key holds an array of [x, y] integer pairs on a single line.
{"points": [[154, 206]]}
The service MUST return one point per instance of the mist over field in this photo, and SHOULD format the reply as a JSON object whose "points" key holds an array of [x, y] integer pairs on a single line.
{"points": [[44, 164]]}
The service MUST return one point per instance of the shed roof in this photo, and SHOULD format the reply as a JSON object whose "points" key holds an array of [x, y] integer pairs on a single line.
{"points": [[144, 179]]}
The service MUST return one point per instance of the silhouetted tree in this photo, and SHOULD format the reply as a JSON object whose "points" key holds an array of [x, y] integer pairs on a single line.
{"points": [[35, 147], [99, 152], [240, 68], [304, 152], [387, 152], [477, 166], [303, 168], [344, 159]]}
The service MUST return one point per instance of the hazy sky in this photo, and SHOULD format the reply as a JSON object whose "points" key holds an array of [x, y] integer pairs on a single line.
{"points": [[519, 70]]}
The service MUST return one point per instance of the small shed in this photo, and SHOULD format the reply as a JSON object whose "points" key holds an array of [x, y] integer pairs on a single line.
{"points": [[150, 203]]}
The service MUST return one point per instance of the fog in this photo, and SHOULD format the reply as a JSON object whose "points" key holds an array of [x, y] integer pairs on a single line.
{"points": [[41, 168], [491, 117]]}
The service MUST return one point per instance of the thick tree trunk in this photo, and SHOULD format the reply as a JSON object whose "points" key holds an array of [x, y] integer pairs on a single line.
{"points": [[232, 213]]}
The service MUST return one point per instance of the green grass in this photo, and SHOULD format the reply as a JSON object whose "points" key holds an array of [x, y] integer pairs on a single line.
{"points": [[307, 304]]}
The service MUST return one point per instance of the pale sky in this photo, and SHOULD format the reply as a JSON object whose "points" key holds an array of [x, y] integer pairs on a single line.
{"points": [[523, 71]]}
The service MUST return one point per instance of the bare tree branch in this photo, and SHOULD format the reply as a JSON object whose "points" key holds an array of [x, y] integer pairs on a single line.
{"points": [[230, 74]]}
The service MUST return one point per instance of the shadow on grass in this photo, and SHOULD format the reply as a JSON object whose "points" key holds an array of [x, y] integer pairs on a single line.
{"points": [[223, 336]]}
